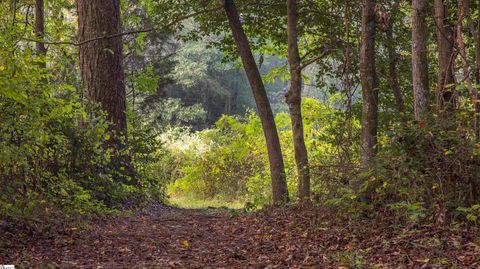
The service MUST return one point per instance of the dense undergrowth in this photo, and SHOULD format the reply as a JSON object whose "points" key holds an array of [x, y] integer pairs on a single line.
{"points": [[422, 170], [55, 167]]}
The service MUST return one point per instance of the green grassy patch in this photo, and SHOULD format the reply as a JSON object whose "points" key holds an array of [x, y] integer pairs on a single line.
{"points": [[183, 201]]}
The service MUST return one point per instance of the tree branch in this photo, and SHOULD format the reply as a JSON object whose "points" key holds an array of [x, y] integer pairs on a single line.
{"points": [[314, 59], [179, 19]]}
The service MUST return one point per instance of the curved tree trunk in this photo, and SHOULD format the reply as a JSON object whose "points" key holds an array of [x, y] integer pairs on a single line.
{"points": [[101, 65], [421, 95], [277, 170], [369, 82], [294, 99]]}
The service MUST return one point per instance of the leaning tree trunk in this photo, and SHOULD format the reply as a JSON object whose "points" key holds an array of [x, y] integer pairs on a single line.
{"points": [[101, 64], [369, 82], [40, 30], [277, 170], [294, 99], [421, 95], [446, 74]]}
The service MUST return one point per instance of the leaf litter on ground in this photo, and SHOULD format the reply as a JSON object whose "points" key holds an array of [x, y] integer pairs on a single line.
{"points": [[293, 237]]}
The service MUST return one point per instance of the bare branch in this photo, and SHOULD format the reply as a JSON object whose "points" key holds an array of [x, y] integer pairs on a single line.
{"points": [[314, 59]]}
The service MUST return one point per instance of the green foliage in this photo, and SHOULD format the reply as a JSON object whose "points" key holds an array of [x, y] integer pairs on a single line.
{"points": [[231, 156], [471, 213], [55, 166], [232, 162], [433, 165], [414, 211]]}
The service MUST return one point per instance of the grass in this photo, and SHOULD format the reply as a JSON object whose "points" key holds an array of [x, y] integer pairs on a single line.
{"points": [[182, 201]]}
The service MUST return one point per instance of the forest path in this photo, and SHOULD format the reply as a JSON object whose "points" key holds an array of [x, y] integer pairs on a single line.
{"points": [[165, 237]]}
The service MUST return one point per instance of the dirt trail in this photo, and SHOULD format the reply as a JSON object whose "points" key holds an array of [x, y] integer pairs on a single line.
{"points": [[165, 237], [160, 238]]}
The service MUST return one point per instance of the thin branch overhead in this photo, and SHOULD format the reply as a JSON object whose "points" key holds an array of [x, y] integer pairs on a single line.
{"points": [[179, 19]]}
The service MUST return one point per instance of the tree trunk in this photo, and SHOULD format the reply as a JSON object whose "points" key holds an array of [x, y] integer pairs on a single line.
{"points": [[462, 8], [392, 63], [277, 170], [294, 100], [40, 30], [477, 49], [421, 95], [445, 41], [369, 82], [346, 73], [101, 63], [101, 60], [475, 32]]}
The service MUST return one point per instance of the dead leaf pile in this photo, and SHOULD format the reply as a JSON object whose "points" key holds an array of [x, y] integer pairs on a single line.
{"points": [[282, 238]]}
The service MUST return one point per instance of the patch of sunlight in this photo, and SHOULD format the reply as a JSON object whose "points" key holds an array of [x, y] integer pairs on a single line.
{"points": [[183, 201]]}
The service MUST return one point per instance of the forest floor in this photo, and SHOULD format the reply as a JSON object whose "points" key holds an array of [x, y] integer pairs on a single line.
{"points": [[165, 237]]}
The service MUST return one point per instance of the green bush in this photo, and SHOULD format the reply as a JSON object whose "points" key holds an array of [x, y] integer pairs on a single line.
{"points": [[54, 163], [433, 164], [233, 164], [232, 155]]}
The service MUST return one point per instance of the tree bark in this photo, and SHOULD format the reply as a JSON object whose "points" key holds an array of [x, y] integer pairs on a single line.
{"points": [[477, 48], [346, 72], [445, 41], [294, 100], [392, 63], [101, 60], [277, 170], [40, 30], [462, 8], [101, 63], [421, 95], [475, 32], [369, 82]]}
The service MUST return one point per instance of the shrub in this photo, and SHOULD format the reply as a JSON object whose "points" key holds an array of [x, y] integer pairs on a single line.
{"points": [[233, 163]]}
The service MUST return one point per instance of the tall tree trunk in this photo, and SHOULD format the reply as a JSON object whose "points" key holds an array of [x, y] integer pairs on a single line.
{"points": [[40, 30], [421, 95], [101, 63], [277, 170], [462, 11], [477, 48], [475, 32], [445, 41], [476, 103], [392, 62], [346, 72], [369, 82], [294, 101]]}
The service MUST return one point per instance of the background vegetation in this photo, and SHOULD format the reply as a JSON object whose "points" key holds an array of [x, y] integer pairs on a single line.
{"points": [[193, 131]]}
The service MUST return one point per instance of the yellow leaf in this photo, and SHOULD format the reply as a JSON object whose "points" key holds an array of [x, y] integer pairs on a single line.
{"points": [[423, 260], [2, 67], [185, 244]]}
